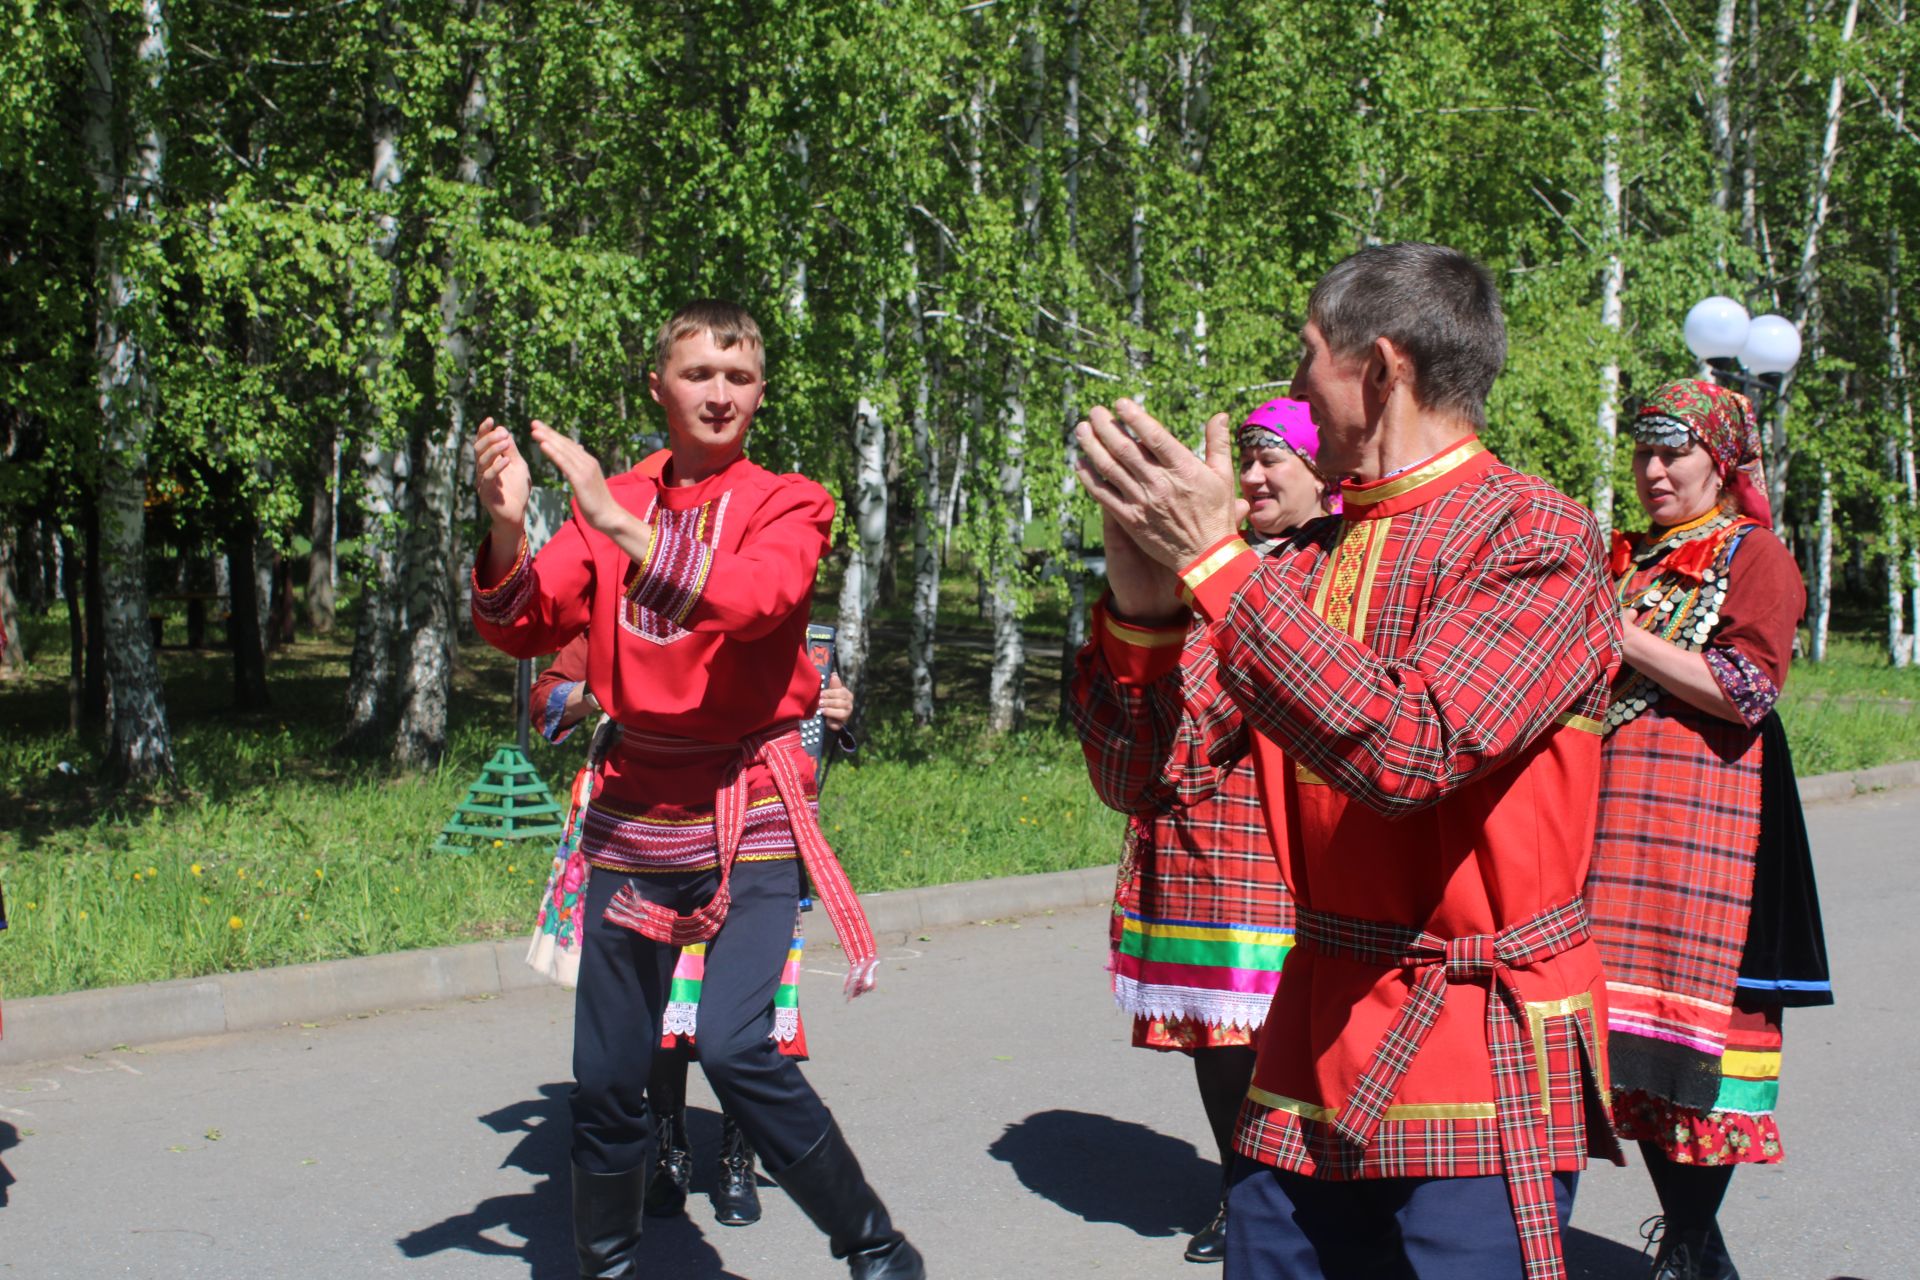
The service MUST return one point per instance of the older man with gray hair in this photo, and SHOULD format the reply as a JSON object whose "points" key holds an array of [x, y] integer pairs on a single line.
{"points": [[1420, 689]]}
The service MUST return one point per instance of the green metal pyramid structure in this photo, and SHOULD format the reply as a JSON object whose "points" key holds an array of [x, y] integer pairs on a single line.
{"points": [[508, 801]]}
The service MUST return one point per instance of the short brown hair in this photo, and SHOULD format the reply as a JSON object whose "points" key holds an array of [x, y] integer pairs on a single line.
{"points": [[728, 322], [1435, 303]]}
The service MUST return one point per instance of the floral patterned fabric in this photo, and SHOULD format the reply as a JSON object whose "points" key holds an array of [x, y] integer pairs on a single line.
{"points": [[1184, 1035], [1739, 1128]]}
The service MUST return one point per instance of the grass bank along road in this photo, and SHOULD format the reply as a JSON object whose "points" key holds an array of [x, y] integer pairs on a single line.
{"points": [[280, 853]]}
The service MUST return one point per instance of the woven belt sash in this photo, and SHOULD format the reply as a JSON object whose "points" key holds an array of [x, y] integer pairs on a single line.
{"points": [[780, 750], [1483, 959]]}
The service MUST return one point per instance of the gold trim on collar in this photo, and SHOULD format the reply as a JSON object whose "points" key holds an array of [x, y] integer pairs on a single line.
{"points": [[1142, 637], [1404, 484]]}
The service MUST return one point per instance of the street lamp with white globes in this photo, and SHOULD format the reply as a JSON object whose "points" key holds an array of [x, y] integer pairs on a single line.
{"points": [[1748, 354]]}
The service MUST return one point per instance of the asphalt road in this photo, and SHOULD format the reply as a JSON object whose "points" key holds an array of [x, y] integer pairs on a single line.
{"points": [[987, 1085]]}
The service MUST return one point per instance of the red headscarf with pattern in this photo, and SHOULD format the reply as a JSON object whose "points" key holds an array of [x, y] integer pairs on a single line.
{"points": [[1723, 422]]}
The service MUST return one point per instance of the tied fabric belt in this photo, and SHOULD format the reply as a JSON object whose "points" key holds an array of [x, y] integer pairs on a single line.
{"points": [[1483, 959], [780, 750]]}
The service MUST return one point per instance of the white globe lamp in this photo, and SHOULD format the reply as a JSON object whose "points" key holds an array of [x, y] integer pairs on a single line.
{"points": [[1772, 345], [1716, 329]]}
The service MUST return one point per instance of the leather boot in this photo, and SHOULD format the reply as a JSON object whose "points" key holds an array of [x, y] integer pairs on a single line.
{"points": [[736, 1199], [829, 1188], [673, 1168], [1209, 1244], [1694, 1254], [606, 1222]]}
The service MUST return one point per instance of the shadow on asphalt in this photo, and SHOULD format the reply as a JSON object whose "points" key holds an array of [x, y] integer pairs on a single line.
{"points": [[542, 1217], [9, 1137], [1091, 1165], [1591, 1257]]}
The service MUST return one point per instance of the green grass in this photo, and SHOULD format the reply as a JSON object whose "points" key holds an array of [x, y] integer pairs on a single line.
{"points": [[316, 856]]}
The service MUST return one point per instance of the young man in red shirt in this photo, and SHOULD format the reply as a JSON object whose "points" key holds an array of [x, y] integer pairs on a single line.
{"points": [[1420, 688], [692, 575]]}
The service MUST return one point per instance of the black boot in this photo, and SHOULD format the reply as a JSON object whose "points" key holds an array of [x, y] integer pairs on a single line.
{"points": [[673, 1168], [606, 1222], [736, 1200], [1693, 1254], [827, 1185], [1209, 1244]]}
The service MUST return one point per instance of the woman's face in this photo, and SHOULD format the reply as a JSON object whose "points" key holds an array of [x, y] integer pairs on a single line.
{"points": [[1675, 485], [1280, 491]]}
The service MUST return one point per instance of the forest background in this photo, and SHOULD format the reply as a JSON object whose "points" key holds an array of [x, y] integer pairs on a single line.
{"points": [[263, 267]]}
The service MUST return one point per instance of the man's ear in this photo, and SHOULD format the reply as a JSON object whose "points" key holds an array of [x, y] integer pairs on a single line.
{"points": [[653, 385]]}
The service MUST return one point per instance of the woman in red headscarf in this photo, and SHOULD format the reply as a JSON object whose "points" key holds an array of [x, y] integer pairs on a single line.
{"points": [[1701, 888], [1201, 918]]}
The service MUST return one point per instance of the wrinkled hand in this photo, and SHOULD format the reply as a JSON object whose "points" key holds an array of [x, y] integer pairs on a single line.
{"points": [[500, 475], [1170, 504], [1144, 590], [581, 471], [836, 703]]}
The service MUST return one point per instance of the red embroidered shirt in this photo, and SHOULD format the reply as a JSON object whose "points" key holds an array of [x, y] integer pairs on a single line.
{"points": [[1420, 687], [705, 641]]}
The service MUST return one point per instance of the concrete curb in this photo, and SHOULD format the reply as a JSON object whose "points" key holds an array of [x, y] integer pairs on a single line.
{"points": [[47, 1027]]}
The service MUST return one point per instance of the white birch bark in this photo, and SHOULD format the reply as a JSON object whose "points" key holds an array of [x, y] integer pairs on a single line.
{"points": [[383, 468], [140, 744], [1071, 547], [1823, 568], [1806, 310], [925, 612], [1141, 107], [1719, 99], [1613, 273], [867, 507], [320, 537], [425, 672]]}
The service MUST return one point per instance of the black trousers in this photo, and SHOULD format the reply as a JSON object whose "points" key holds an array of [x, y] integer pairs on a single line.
{"points": [[624, 979], [1285, 1226]]}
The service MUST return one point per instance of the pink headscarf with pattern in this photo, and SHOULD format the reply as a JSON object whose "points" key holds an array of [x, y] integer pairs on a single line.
{"points": [[1289, 424], [1723, 422]]}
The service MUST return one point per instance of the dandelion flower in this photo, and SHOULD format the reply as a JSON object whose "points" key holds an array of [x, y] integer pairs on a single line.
{"points": [[33, 906], [83, 915], [499, 844], [242, 873], [196, 869], [234, 922], [511, 868], [319, 873], [136, 877], [152, 872]]}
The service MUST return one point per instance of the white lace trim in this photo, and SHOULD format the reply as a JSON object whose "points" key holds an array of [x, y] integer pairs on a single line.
{"points": [[680, 1018], [786, 1024], [1247, 1010]]}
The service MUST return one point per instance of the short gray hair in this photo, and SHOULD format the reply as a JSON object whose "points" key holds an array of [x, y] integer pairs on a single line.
{"points": [[1434, 303]]}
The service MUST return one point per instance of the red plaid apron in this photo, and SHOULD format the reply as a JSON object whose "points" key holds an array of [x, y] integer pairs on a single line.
{"points": [[1436, 962], [779, 749]]}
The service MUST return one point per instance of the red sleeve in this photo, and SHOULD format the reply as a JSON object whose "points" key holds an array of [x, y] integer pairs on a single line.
{"points": [[548, 699], [1752, 648], [744, 593], [1524, 635], [543, 602], [1157, 730]]}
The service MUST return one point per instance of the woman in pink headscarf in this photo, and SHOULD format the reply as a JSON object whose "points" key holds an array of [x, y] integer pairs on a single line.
{"points": [[1201, 918], [1701, 887]]}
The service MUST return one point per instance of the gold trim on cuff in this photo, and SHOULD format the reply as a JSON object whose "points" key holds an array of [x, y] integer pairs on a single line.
{"points": [[519, 563], [1399, 1112], [1143, 637], [1213, 562]]}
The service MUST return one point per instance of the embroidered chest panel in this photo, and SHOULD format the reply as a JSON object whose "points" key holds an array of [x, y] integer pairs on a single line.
{"points": [[1345, 594], [1680, 602], [689, 553]]}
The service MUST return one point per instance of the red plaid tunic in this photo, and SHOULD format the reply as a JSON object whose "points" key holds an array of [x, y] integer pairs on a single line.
{"points": [[1420, 688]]}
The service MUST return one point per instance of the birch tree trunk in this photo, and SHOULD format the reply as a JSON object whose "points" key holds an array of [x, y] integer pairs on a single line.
{"points": [[1719, 98], [321, 535], [425, 673], [14, 656], [1806, 315], [867, 509], [383, 469], [925, 612], [1613, 274], [1142, 163], [140, 745], [1071, 545], [1823, 568], [1896, 404]]}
